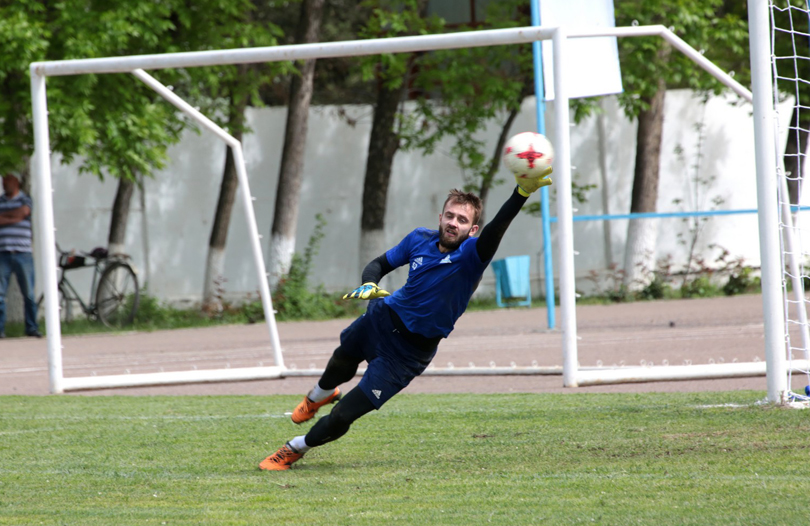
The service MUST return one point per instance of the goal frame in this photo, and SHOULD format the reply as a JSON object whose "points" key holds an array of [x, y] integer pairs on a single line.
{"points": [[573, 376]]}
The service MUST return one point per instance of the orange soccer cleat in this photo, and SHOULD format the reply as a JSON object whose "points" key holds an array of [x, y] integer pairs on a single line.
{"points": [[281, 459], [307, 408]]}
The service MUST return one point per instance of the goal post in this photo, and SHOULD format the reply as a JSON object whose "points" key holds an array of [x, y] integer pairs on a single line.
{"points": [[137, 65], [573, 375], [786, 24]]}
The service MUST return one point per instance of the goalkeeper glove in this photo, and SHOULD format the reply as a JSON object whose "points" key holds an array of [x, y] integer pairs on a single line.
{"points": [[526, 187], [367, 291]]}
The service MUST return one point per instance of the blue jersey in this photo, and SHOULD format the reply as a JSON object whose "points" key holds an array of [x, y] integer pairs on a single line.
{"points": [[439, 285]]}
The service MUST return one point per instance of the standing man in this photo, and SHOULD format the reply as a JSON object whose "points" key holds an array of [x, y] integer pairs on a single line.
{"points": [[399, 334], [15, 251]]}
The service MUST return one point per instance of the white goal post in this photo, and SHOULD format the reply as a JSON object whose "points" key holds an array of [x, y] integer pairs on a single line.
{"points": [[572, 374]]}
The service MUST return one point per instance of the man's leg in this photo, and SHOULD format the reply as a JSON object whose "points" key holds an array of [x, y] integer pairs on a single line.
{"points": [[329, 428], [336, 424], [5, 273], [341, 368], [24, 270]]}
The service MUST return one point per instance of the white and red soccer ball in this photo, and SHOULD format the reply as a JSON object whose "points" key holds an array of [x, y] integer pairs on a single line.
{"points": [[528, 154]]}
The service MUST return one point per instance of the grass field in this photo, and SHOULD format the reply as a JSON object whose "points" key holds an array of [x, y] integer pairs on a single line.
{"points": [[686, 458]]}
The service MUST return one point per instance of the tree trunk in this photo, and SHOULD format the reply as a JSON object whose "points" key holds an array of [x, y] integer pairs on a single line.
{"points": [[288, 192], [383, 145], [794, 156], [639, 260], [215, 262], [116, 240]]}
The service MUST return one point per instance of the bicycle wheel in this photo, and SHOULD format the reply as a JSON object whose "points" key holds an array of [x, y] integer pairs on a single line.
{"points": [[65, 306], [117, 296]]}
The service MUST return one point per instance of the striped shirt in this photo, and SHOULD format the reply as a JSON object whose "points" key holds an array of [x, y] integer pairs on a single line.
{"points": [[17, 236]]}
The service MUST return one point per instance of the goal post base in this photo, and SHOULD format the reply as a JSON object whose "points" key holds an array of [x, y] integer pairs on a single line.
{"points": [[665, 373], [171, 378]]}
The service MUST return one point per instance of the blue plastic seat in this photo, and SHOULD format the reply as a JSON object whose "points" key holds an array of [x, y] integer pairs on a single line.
{"points": [[512, 281]]}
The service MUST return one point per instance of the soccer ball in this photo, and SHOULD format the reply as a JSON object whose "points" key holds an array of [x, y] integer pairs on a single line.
{"points": [[528, 154]]}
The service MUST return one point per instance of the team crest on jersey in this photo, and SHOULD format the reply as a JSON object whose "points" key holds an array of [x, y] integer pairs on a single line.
{"points": [[416, 263]]}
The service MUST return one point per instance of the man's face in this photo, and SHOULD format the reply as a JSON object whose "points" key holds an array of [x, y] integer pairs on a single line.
{"points": [[455, 225], [10, 185]]}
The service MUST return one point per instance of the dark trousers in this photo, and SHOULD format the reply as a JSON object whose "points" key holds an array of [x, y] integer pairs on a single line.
{"points": [[21, 264]]}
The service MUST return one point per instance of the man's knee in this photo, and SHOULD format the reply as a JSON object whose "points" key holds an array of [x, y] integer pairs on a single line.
{"points": [[341, 417]]}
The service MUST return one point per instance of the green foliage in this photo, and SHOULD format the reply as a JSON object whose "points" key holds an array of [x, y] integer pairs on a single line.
{"points": [[516, 459], [702, 281], [464, 92], [118, 126], [699, 287], [393, 18], [24, 35], [657, 289], [706, 25], [742, 281]]}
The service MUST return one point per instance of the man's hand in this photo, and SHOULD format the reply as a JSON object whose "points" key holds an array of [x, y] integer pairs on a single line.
{"points": [[367, 291], [526, 187]]}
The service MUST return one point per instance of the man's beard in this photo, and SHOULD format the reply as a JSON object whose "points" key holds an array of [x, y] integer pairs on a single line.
{"points": [[450, 244]]}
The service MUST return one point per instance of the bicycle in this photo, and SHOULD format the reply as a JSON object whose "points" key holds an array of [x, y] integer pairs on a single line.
{"points": [[114, 293]]}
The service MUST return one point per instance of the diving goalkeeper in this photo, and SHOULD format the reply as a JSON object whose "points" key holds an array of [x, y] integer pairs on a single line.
{"points": [[399, 333]]}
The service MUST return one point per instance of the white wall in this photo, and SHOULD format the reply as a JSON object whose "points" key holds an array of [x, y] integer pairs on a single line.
{"points": [[180, 199]]}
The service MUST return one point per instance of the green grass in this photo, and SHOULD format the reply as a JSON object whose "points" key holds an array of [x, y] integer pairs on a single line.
{"points": [[707, 458]]}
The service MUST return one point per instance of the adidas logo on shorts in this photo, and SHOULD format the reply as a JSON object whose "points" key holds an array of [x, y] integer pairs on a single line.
{"points": [[376, 392]]}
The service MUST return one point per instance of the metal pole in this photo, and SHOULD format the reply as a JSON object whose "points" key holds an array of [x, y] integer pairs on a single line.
{"points": [[562, 145], [264, 287], [45, 236], [772, 307], [540, 108], [241, 174]]}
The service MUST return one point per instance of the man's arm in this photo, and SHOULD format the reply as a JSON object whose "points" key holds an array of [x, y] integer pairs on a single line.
{"points": [[376, 270], [372, 275], [15, 215], [493, 232]]}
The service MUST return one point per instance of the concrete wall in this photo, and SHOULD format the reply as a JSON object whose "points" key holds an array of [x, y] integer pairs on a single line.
{"points": [[180, 199]]}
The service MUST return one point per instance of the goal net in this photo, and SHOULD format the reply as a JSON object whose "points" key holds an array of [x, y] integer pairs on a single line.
{"points": [[790, 43]]}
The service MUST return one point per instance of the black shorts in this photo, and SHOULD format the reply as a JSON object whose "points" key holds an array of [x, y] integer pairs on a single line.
{"points": [[392, 360]]}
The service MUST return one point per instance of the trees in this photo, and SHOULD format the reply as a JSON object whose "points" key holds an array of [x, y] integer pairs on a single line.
{"points": [[473, 89], [117, 127], [649, 68], [224, 92], [285, 218], [392, 74]]}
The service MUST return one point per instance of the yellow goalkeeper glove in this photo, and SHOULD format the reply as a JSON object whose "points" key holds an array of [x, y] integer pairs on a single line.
{"points": [[367, 291], [526, 187]]}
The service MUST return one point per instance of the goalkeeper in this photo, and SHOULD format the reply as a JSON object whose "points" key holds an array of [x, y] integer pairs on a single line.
{"points": [[399, 333]]}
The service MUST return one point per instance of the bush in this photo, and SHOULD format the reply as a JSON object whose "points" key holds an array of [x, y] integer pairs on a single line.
{"points": [[700, 287], [657, 289], [741, 282]]}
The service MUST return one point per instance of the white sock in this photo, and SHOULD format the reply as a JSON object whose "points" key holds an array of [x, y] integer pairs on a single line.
{"points": [[317, 394], [299, 444]]}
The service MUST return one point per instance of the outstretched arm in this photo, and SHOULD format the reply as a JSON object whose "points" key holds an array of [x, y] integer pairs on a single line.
{"points": [[493, 232], [372, 275]]}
